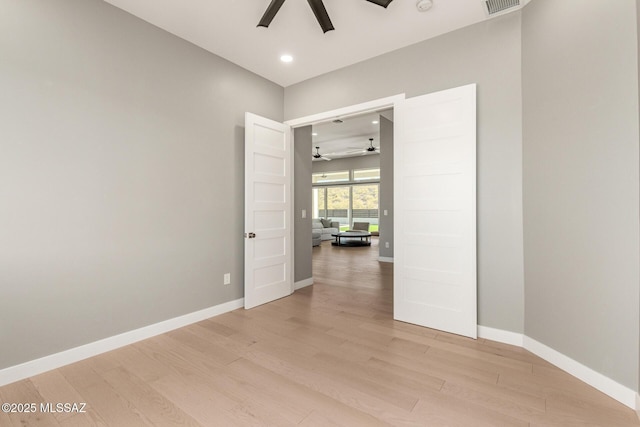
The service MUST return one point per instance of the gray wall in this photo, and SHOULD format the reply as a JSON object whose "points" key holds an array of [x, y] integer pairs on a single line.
{"points": [[386, 187], [121, 174], [581, 193], [303, 200], [487, 54]]}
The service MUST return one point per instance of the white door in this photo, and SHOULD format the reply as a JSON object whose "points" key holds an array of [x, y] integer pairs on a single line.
{"points": [[268, 254], [435, 211]]}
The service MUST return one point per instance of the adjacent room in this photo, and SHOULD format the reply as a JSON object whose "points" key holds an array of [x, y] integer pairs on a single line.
{"points": [[345, 179], [124, 155]]}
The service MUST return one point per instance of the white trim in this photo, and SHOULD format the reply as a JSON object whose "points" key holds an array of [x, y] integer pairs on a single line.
{"points": [[385, 259], [303, 283], [619, 392], [499, 335], [364, 107], [66, 357]]}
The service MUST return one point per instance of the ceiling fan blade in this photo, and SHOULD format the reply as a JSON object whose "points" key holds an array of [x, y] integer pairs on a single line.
{"points": [[383, 3], [325, 158], [321, 15], [270, 13]]}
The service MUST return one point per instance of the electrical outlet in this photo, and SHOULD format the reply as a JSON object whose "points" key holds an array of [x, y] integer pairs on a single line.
{"points": [[386, 245], [227, 278]]}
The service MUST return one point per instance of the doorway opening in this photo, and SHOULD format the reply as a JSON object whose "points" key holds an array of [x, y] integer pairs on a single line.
{"points": [[351, 188], [351, 163]]}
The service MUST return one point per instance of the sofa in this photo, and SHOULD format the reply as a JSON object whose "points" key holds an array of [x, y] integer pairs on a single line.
{"points": [[326, 227]]}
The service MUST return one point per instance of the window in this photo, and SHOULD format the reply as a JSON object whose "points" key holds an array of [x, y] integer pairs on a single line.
{"points": [[365, 205], [338, 202], [319, 202], [366, 174], [330, 177], [352, 197]]}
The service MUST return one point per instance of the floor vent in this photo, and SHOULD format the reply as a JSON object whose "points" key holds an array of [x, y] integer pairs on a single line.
{"points": [[497, 6]]}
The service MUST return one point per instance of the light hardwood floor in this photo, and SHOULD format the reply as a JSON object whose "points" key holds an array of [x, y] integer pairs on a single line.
{"points": [[328, 355]]}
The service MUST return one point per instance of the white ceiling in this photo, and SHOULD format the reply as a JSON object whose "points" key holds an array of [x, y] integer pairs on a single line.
{"points": [[336, 140], [362, 30]]}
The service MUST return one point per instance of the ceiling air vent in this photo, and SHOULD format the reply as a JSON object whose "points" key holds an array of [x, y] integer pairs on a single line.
{"points": [[498, 6]]}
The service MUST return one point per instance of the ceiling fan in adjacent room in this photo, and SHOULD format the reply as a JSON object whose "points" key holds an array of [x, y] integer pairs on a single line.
{"points": [[370, 149], [319, 156], [317, 6]]}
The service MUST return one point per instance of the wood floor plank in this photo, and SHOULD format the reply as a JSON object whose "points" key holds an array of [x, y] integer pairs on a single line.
{"points": [[497, 365], [498, 349], [304, 397], [420, 363], [155, 407], [441, 410], [215, 352], [314, 419], [307, 373], [566, 405], [499, 400], [134, 360], [25, 393], [200, 401], [243, 392], [111, 406], [404, 391], [360, 376], [5, 420], [54, 388], [553, 386]]}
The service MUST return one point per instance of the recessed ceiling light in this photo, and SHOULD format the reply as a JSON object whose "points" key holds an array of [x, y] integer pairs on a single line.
{"points": [[286, 58], [314, 134], [424, 5], [375, 122]]}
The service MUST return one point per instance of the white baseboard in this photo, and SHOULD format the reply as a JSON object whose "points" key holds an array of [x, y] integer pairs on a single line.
{"points": [[385, 259], [57, 360], [619, 392], [303, 283], [506, 337]]}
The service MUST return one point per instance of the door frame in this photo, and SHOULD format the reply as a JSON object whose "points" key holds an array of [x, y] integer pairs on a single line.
{"points": [[351, 110]]}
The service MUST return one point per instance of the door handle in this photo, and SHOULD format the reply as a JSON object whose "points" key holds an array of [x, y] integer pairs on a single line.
{"points": [[250, 235]]}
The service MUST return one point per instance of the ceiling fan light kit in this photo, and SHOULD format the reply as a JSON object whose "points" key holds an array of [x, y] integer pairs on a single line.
{"points": [[317, 6]]}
